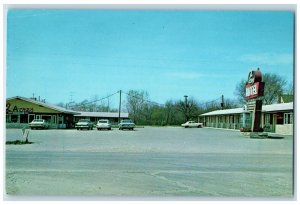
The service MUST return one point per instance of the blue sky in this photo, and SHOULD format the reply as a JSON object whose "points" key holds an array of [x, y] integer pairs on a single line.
{"points": [[202, 54]]}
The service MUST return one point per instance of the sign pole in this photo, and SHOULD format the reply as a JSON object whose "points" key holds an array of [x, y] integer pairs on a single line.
{"points": [[254, 92]]}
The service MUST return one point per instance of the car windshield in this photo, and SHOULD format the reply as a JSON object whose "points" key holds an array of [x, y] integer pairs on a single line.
{"points": [[83, 120], [103, 121]]}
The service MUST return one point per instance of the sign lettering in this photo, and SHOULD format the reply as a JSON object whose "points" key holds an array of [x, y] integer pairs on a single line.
{"points": [[255, 90], [7, 107], [16, 109]]}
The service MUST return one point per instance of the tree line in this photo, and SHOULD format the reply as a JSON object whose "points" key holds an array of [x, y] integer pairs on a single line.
{"points": [[174, 112], [143, 111]]}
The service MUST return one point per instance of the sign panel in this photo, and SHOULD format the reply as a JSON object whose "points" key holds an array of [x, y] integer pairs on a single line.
{"points": [[255, 90], [17, 109]]}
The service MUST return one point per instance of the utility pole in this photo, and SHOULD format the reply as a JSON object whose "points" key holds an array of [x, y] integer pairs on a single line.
{"points": [[186, 107], [120, 106], [108, 104], [222, 103]]}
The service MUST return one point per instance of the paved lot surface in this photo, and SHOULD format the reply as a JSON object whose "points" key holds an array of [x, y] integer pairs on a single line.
{"points": [[149, 162]]}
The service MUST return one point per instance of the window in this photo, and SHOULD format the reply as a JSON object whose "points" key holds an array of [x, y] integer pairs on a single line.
{"points": [[279, 118], [23, 118], [14, 118], [288, 118], [47, 118]]}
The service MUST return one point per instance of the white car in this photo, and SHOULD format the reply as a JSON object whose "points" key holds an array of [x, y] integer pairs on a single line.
{"points": [[192, 124], [84, 124], [39, 123], [103, 124]]}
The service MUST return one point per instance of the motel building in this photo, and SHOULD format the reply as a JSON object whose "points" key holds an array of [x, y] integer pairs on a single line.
{"points": [[275, 118], [113, 117], [20, 111]]}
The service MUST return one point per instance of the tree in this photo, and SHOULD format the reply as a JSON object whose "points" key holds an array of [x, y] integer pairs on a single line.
{"points": [[290, 89], [240, 91], [169, 111], [274, 87], [61, 104], [189, 108], [135, 102], [230, 103]]}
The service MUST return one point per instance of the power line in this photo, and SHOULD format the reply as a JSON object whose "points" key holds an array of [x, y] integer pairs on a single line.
{"points": [[144, 100], [99, 99], [219, 98], [152, 102]]}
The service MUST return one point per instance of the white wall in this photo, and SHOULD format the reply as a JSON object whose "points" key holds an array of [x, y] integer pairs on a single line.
{"points": [[284, 129]]}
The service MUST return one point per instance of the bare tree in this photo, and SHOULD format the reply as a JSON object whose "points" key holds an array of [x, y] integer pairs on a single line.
{"points": [[189, 108], [290, 89], [274, 87], [135, 102]]}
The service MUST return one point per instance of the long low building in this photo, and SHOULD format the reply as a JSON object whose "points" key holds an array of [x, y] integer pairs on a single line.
{"points": [[95, 116], [277, 118], [20, 111]]}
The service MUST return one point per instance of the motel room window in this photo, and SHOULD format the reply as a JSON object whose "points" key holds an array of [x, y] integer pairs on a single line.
{"points": [[280, 118], [288, 118]]}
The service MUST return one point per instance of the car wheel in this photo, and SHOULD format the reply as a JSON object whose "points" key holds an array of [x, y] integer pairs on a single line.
{"points": [[186, 127]]}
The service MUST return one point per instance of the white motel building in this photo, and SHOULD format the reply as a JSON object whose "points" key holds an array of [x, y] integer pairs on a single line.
{"points": [[276, 118]]}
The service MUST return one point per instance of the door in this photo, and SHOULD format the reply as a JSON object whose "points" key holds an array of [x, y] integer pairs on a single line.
{"points": [[31, 117]]}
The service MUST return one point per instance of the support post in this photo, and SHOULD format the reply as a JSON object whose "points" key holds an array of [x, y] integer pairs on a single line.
{"points": [[120, 106]]}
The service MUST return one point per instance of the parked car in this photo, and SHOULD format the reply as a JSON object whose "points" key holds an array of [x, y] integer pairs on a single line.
{"points": [[39, 123], [84, 124], [103, 124], [192, 124], [126, 124]]}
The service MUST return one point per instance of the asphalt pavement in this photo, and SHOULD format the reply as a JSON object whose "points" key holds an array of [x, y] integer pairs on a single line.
{"points": [[149, 162]]}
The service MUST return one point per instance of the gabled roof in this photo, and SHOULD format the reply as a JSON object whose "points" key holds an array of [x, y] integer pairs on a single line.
{"points": [[53, 107], [265, 108], [101, 114]]}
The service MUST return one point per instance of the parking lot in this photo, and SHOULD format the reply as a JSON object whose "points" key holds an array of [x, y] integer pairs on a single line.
{"points": [[148, 162]]}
